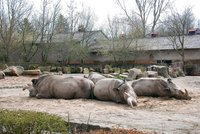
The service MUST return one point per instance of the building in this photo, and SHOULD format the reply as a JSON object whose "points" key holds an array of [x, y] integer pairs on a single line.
{"points": [[193, 31], [152, 50]]}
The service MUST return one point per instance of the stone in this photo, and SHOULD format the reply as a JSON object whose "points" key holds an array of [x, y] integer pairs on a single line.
{"points": [[162, 70], [152, 73], [32, 72], [13, 71], [134, 73]]}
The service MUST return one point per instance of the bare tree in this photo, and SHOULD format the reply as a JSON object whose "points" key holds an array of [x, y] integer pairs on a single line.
{"points": [[120, 49], [158, 7], [81, 23], [145, 9], [62, 26], [47, 22], [72, 17], [86, 18], [177, 25], [28, 37], [12, 12]]}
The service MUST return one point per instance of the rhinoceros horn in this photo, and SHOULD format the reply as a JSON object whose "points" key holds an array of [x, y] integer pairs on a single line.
{"points": [[186, 92], [26, 87]]}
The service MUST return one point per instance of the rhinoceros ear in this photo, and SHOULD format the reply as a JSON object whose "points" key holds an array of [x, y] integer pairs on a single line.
{"points": [[116, 89], [85, 76], [34, 81]]}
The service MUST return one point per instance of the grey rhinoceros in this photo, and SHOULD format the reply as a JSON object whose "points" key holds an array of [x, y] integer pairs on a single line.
{"points": [[158, 87], [94, 76], [55, 86], [110, 89]]}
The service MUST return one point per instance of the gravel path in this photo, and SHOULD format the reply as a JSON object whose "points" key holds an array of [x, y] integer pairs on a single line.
{"points": [[161, 115]]}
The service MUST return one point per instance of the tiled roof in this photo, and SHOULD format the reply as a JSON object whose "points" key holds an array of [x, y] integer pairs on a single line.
{"points": [[78, 36], [163, 43]]}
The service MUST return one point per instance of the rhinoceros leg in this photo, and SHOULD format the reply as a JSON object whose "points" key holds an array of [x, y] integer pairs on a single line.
{"points": [[40, 96]]}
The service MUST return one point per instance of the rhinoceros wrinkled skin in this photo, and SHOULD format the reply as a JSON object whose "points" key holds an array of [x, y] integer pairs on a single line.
{"points": [[110, 89], [158, 87], [93, 76], [55, 86]]}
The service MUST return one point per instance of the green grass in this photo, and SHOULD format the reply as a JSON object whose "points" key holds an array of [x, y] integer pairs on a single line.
{"points": [[28, 122]]}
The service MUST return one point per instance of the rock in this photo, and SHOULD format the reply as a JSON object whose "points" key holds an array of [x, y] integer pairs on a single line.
{"points": [[105, 70], [162, 70], [91, 69], [108, 75], [117, 70], [152, 73], [14, 70], [115, 74], [5, 66], [66, 70], [45, 68], [46, 72], [172, 73], [123, 75], [134, 73], [32, 72], [53, 69], [176, 72], [2, 75], [86, 71]]}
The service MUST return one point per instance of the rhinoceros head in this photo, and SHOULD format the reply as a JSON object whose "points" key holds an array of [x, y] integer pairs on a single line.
{"points": [[32, 90], [176, 91], [125, 90]]}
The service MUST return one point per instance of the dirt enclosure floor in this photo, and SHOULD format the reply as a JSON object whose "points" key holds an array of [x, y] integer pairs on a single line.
{"points": [[161, 115]]}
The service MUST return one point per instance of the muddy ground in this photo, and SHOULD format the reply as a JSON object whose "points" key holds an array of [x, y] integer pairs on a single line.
{"points": [[161, 115]]}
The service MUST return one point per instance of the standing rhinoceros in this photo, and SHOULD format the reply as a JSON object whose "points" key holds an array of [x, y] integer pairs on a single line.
{"points": [[54, 86], [93, 76], [110, 89], [159, 88]]}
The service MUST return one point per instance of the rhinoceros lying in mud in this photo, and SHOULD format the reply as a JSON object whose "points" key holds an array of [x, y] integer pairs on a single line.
{"points": [[93, 76], [54, 86], [110, 89], [159, 88]]}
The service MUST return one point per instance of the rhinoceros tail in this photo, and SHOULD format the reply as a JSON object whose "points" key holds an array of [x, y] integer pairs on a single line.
{"points": [[27, 87]]}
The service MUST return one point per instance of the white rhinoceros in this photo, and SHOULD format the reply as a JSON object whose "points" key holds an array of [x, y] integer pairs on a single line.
{"points": [[55, 86], [110, 89]]}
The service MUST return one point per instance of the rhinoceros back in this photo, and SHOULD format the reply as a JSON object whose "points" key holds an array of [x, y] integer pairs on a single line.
{"points": [[53, 86]]}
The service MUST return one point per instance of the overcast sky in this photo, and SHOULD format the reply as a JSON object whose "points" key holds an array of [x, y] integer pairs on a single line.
{"points": [[103, 8]]}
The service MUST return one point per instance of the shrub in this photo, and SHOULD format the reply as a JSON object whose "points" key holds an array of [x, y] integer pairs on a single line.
{"points": [[2, 66], [107, 69], [66, 70], [121, 77], [75, 70], [45, 68], [26, 122], [116, 70], [189, 68], [142, 68], [32, 66], [97, 69]]}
